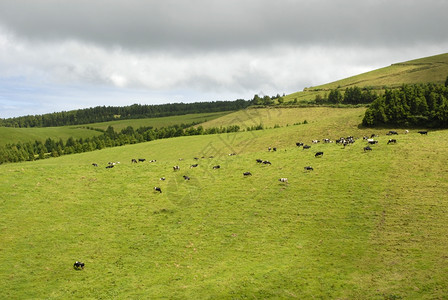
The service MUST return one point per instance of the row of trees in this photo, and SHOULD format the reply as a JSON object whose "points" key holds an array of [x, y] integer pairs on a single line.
{"points": [[352, 95], [109, 113], [109, 138], [424, 105]]}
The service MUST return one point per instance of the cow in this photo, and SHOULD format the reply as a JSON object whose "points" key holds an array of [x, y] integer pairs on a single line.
{"points": [[373, 135], [328, 141], [319, 154], [269, 148], [274, 149], [423, 132], [152, 160], [186, 177], [392, 132], [306, 147], [367, 149], [315, 141], [109, 166], [308, 168], [162, 178], [392, 141], [134, 161], [78, 265], [372, 142], [216, 167], [298, 144], [176, 168], [259, 161], [247, 174], [95, 165], [283, 180], [141, 159], [406, 131], [157, 189], [194, 166], [266, 162]]}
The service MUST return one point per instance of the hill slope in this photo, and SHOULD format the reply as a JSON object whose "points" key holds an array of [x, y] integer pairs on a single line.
{"points": [[361, 225], [433, 69]]}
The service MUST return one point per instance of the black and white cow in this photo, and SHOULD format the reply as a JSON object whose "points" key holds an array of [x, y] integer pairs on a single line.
{"points": [[78, 265], [308, 168], [266, 162], [176, 168], [319, 154], [141, 159], [298, 144], [423, 132], [306, 147], [194, 166], [285, 180], [392, 141], [216, 167], [259, 160], [109, 166], [95, 165], [247, 174], [367, 149], [157, 189], [186, 177]]}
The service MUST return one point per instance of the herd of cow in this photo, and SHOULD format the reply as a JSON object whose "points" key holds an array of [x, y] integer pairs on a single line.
{"points": [[344, 141]]}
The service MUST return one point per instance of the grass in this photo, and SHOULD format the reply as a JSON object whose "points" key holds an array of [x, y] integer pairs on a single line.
{"points": [[433, 69], [14, 135], [360, 226]]}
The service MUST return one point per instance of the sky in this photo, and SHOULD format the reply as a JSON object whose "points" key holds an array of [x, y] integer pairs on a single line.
{"points": [[58, 55]]}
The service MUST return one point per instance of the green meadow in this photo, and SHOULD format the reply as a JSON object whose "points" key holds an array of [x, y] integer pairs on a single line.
{"points": [[10, 135], [362, 225], [433, 69]]}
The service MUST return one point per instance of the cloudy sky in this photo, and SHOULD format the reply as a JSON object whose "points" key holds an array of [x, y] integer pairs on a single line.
{"points": [[60, 55]]}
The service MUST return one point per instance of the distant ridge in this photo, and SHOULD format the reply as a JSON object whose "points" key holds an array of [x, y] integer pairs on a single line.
{"points": [[432, 69]]}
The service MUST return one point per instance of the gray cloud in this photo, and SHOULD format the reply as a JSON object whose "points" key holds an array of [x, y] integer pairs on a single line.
{"points": [[216, 24], [165, 51]]}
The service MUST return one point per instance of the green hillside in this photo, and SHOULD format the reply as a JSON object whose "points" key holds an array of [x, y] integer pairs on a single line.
{"points": [[433, 69], [15, 135], [362, 225]]}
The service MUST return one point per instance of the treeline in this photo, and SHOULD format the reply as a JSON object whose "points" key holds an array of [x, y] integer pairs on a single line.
{"points": [[423, 105], [53, 148], [109, 113], [352, 95]]}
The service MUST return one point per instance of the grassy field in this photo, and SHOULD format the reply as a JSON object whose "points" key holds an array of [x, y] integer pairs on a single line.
{"points": [[14, 135], [360, 226], [160, 122], [424, 70]]}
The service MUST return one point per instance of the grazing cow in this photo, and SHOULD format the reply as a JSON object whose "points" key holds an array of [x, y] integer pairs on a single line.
{"points": [[194, 166], [423, 132], [406, 131], [95, 165], [392, 132], [176, 168], [269, 148], [152, 160], [315, 141], [266, 162], [259, 161], [141, 159], [392, 141], [157, 189], [196, 158], [109, 166], [134, 161], [373, 135], [283, 180], [367, 149], [216, 167], [274, 149], [247, 174], [319, 154], [78, 265], [162, 178], [308, 168], [328, 141], [306, 147], [299, 144], [232, 154], [186, 177], [372, 142]]}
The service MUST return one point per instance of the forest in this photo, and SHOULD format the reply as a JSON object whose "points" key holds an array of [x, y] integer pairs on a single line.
{"points": [[110, 113], [423, 105]]}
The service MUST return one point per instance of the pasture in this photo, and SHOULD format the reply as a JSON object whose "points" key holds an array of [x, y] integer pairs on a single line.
{"points": [[14, 135], [361, 225]]}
